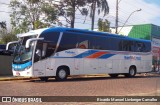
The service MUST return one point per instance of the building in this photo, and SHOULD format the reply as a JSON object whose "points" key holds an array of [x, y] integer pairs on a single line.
{"points": [[144, 31]]}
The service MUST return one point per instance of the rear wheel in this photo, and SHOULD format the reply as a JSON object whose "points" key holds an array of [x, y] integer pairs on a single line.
{"points": [[61, 74], [44, 78], [113, 75], [132, 72]]}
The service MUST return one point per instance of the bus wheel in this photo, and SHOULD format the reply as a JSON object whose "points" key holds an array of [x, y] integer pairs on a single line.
{"points": [[113, 75], [61, 74], [132, 72], [44, 78]]}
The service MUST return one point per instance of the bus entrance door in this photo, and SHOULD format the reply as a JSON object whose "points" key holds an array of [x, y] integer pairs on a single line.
{"points": [[39, 59]]}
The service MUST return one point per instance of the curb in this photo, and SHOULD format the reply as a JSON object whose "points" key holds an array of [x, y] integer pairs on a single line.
{"points": [[16, 78]]}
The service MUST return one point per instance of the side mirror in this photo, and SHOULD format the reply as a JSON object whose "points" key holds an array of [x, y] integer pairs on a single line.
{"points": [[8, 44]]}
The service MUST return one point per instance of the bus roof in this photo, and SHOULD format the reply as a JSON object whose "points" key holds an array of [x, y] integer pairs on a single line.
{"points": [[73, 30], [32, 32]]}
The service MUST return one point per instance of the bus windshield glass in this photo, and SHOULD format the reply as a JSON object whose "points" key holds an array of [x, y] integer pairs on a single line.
{"points": [[21, 54]]}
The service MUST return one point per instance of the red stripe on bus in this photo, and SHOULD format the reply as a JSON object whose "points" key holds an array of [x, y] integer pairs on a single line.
{"points": [[96, 55]]}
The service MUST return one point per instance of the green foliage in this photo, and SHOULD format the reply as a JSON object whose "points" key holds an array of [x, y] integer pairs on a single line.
{"points": [[7, 36], [103, 26], [32, 14]]}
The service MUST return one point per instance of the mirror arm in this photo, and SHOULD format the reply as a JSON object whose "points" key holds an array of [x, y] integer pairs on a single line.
{"points": [[10, 44], [32, 39]]}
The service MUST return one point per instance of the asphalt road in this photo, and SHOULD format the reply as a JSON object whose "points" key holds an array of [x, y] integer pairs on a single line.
{"points": [[92, 86]]}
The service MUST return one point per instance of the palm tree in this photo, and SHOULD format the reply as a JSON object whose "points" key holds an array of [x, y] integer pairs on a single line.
{"points": [[101, 5]]}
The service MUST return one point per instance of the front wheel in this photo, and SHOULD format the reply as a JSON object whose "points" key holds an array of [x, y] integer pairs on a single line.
{"points": [[61, 74]]}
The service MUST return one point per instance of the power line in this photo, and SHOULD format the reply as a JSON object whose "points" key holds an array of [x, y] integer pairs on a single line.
{"points": [[5, 12], [4, 3]]}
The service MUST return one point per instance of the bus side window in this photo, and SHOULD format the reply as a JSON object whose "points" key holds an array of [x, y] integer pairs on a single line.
{"points": [[83, 42], [121, 45], [148, 47], [83, 45], [68, 41], [140, 47], [100, 43], [128, 45]]}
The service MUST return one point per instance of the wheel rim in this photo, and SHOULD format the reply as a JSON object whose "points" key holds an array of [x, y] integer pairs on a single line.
{"points": [[62, 74], [132, 72]]}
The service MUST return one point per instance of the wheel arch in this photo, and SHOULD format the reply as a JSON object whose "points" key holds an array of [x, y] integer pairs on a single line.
{"points": [[133, 67], [64, 66]]}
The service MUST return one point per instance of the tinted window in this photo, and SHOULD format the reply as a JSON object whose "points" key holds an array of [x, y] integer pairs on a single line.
{"points": [[51, 36], [127, 45], [114, 44], [68, 41], [139, 47], [148, 47], [51, 39], [100, 43], [50, 42], [84, 42]]}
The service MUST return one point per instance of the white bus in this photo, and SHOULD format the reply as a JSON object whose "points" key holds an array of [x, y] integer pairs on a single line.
{"points": [[60, 52]]}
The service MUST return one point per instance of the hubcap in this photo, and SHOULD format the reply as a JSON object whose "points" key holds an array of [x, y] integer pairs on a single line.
{"points": [[132, 72], [62, 73]]}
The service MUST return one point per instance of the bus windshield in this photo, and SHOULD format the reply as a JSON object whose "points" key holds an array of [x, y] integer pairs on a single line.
{"points": [[21, 54]]}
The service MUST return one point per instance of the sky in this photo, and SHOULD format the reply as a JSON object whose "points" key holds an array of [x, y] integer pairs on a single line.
{"points": [[150, 13]]}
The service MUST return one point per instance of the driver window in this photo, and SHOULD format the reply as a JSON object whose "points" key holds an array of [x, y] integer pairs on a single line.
{"points": [[44, 50], [38, 51]]}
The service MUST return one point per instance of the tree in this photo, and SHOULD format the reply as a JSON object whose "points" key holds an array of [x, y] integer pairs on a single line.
{"points": [[68, 8], [7, 36], [103, 25], [101, 5], [3, 25], [32, 14]]}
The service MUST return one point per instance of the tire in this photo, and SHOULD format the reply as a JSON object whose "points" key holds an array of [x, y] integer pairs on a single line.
{"points": [[61, 74], [44, 78], [132, 72], [113, 75]]}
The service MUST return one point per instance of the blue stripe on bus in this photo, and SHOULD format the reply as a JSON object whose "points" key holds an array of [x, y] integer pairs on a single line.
{"points": [[21, 66], [106, 56]]}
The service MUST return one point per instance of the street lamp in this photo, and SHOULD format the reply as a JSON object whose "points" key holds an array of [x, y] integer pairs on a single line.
{"points": [[128, 19]]}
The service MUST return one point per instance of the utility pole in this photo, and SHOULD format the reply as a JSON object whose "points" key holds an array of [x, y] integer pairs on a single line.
{"points": [[93, 13], [116, 22]]}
